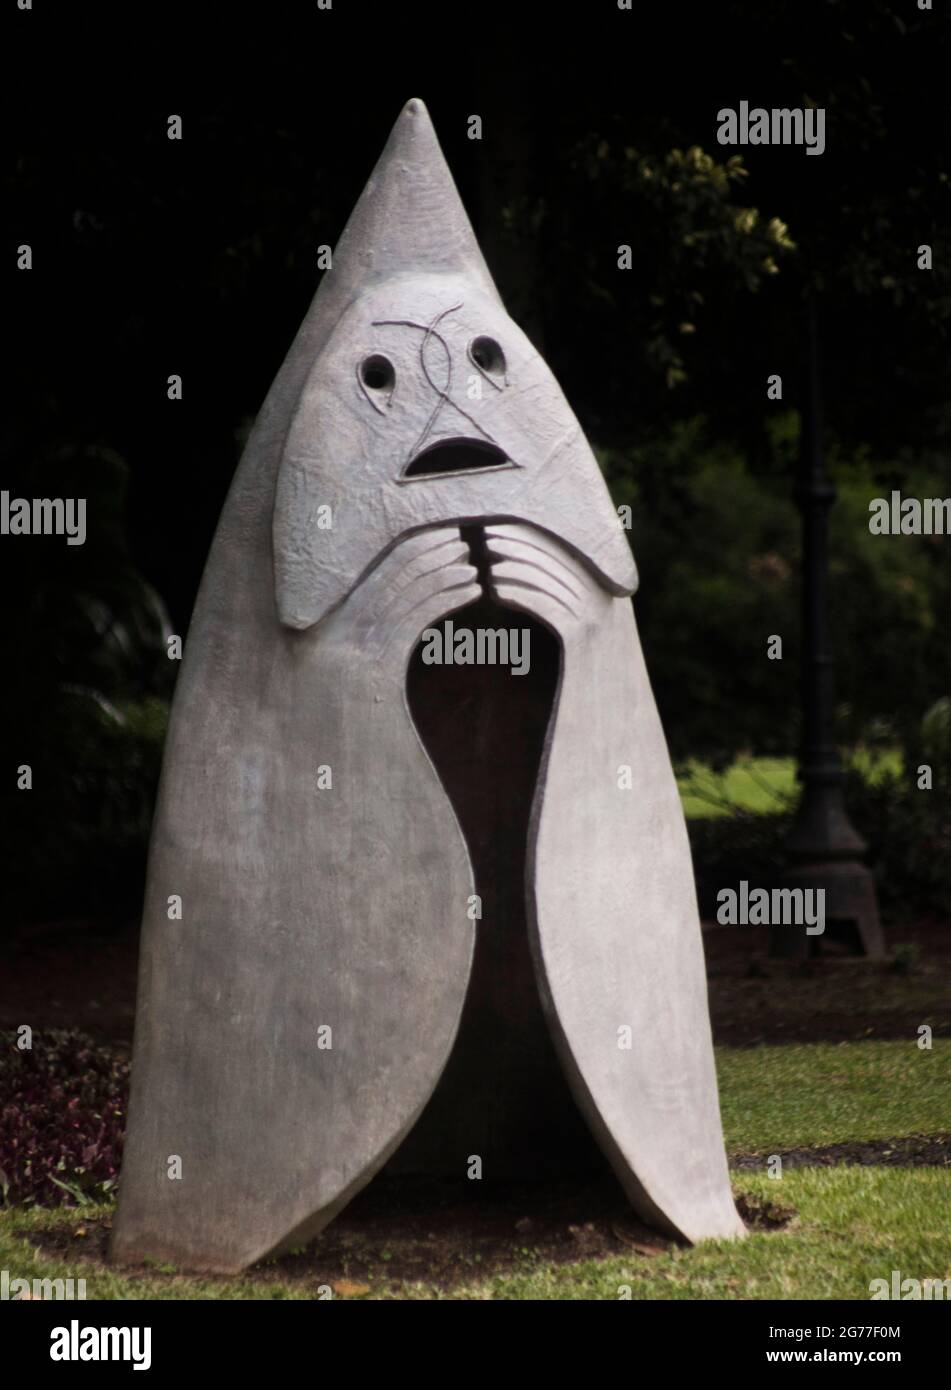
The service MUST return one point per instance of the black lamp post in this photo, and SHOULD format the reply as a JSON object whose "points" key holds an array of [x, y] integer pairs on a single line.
{"points": [[824, 850]]}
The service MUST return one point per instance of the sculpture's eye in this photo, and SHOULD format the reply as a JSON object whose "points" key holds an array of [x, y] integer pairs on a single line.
{"points": [[488, 356], [377, 373]]}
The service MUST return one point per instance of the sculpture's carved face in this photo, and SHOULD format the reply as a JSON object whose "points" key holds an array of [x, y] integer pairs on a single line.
{"points": [[429, 405]]}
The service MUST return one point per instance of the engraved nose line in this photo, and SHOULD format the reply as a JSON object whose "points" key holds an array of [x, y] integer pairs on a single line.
{"points": [[442, 392]]}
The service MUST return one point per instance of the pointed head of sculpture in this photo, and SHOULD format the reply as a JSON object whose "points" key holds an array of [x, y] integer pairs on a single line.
{"points": [[426, 404]]}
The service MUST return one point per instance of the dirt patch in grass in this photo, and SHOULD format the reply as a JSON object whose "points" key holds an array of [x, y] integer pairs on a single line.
{"points": [[755, 1000], [72, 975], [762, 1215], [444, 1233], [910, 1151]]}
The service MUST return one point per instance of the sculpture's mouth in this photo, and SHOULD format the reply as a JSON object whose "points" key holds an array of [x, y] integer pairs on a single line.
{"points": [[451, 456]]}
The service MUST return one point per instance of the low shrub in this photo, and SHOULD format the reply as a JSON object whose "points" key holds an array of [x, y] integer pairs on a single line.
{"points": [[908, 830], [743, 845], [62, 1120]]}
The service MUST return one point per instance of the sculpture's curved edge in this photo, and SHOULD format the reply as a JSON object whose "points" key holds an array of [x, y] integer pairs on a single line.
{"points": [[217, 1077], [616, 940]]}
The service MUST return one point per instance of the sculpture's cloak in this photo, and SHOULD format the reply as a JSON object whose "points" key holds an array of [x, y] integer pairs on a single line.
{"points": [[294, 1019]]}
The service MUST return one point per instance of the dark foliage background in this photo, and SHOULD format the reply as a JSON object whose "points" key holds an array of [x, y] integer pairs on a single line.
{"points": [[199, 257]]}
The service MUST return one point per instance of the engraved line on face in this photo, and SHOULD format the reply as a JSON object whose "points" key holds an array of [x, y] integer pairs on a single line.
{"points": [[458, 455], [444, 555], [528, 562]]}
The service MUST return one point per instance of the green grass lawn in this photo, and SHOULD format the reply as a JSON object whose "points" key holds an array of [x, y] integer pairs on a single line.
{"points": [[761, 785], [826, 1093], [850, 1225], [764, 785]]}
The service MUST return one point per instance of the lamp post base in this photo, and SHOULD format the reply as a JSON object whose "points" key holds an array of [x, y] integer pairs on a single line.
{"points": [[850, 898]]}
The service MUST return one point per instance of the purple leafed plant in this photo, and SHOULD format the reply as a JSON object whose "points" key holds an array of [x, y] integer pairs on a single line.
{"points": [[62, 1120]]}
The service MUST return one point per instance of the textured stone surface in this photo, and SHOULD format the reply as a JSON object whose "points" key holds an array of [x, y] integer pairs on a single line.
{"points": [[346, 907]]}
